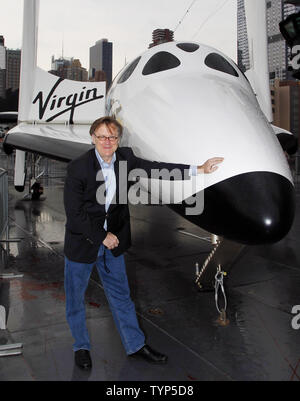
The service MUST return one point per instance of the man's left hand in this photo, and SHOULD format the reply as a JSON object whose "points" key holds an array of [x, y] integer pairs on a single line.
{"points": [[210, 165]]}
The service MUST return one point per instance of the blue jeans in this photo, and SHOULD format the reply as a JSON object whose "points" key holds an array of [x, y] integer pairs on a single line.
{"points": [[112, 271]]}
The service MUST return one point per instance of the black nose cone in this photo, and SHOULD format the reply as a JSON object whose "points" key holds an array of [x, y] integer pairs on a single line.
{"points": [[251, 208]]}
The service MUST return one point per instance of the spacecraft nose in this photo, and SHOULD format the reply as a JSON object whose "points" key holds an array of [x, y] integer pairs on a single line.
{"points": [[251, 208]]}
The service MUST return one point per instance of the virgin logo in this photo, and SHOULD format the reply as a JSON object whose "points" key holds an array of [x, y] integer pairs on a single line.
{"points": [[64, 104]]}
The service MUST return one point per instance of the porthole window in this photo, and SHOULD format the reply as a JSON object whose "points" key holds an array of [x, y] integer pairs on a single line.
{"points": [[218, 62], [161, 61], [188, 47], [129, 70]]}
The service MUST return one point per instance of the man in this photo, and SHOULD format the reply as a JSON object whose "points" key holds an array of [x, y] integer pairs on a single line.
{"points": [[98, 232]]}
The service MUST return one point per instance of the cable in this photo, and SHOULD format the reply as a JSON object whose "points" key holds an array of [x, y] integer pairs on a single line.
{"points": [[208, 18], [187, 11]]}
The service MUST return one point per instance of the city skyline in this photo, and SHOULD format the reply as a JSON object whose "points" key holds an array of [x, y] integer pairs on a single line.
{"points": [[128, 25], [278, 50]]}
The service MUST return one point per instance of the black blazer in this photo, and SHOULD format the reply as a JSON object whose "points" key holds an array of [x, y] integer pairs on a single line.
{"points": [[85, 216]]}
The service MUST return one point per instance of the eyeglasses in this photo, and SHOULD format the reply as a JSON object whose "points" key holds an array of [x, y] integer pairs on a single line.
{"points": [[103, 138]]}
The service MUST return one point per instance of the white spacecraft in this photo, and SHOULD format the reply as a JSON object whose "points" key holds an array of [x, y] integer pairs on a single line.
{"points": [[181, 102]]}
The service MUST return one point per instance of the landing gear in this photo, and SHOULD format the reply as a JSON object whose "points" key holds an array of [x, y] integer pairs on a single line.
{"points": [[221, 259], [25, 162], [35, 188], [211, 276]]}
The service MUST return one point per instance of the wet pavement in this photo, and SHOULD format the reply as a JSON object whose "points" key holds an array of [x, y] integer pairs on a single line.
{"points": [[259, 343]]}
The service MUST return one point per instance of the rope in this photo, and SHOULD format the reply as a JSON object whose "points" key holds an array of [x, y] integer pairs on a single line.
{"points": [[187, 11], [219, 283], [209, 17]]}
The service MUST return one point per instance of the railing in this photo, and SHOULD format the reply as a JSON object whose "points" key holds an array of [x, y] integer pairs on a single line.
{"points": [[3, 202], [6, 349]]}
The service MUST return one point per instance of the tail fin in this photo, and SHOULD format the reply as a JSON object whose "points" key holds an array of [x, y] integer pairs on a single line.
{"points": [[46, 98], [29, 56], [62, 101]]}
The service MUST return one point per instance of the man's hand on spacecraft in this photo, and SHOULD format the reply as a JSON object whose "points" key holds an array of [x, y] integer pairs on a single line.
{"points": [[210, 165]]}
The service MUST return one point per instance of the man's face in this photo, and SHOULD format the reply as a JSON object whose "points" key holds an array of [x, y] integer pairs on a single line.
{"points": [[106, 147]]}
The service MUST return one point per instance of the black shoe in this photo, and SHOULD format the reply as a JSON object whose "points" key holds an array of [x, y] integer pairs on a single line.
{"points": [[150, 355], [83, 359]]}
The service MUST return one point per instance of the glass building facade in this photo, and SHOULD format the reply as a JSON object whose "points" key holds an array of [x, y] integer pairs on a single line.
{"points": [[101, 60]]}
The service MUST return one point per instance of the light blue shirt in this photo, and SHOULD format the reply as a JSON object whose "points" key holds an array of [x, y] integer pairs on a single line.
{"points": [[109, 179], [193, 170]]}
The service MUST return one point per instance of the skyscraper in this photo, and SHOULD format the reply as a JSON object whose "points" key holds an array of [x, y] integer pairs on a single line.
{"points": [[101, 60], [13, 65], [2, 53], [2, 68], [278, 51], [285, 93], [242, 38], [286, 105], [68, 68]]}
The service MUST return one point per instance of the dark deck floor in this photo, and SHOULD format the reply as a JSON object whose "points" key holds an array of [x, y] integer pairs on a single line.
{"points": [[258, 344]]}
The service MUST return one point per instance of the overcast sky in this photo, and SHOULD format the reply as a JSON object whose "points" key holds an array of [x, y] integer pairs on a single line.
{"points": [[78, 24]]}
